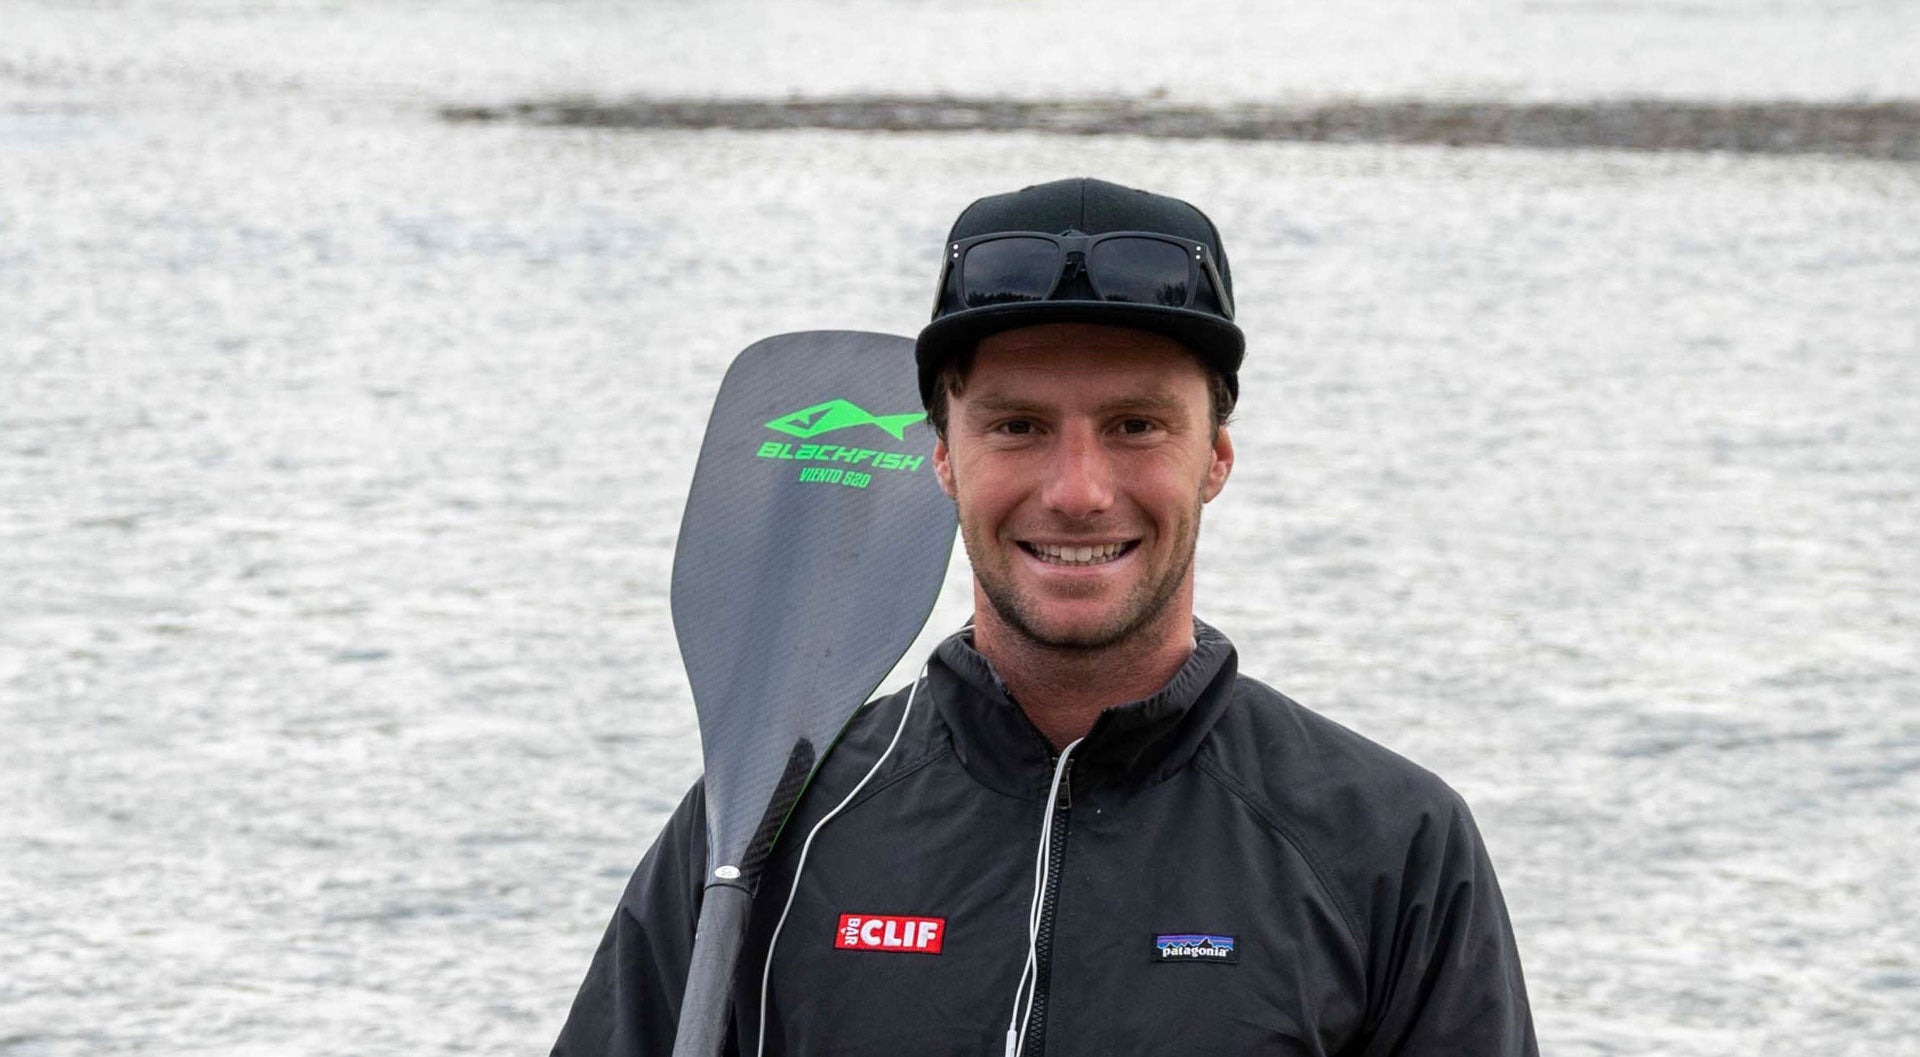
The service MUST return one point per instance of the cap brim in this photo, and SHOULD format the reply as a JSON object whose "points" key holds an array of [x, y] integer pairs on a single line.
{"points": [[1219, 343]]}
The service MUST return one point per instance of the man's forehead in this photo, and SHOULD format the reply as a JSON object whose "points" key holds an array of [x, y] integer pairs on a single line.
{"points": [[1032, 372], [1014, 397], [1087, 354], [1085, 338]]}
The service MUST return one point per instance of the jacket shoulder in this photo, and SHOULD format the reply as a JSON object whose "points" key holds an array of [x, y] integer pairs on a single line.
{"points": [[1360, 814], [1400, 851], [900, 719], [1299, 759]]}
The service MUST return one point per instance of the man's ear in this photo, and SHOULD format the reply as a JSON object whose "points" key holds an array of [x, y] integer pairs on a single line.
{"points": [[943, 465], [1217, 470]]}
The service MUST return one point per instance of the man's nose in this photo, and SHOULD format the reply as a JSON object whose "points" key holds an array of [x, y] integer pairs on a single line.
{"points": [[1080, 475]]}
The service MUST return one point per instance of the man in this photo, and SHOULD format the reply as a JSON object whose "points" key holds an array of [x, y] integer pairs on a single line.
{"points": [[1093, 836]]}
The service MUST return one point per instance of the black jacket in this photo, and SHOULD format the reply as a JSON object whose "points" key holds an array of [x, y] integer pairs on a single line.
{"points": [[1350, 885]]}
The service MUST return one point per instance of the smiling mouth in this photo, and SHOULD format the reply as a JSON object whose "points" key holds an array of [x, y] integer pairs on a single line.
{"points": [[1068, 554]]}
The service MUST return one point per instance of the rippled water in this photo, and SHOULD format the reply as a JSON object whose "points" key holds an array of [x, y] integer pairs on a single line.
{"points": [[486, 50], [341, 453]]}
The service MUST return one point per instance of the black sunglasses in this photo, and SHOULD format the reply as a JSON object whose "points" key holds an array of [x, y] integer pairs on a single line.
{"points": [[1137, 267]]}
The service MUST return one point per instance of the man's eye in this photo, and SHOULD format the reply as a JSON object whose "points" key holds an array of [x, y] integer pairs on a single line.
{"points": [[1016, 426], [1135, 425]]}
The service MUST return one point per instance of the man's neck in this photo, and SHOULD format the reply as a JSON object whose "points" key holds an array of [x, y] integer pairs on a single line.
{"points": [[1063, 691]]}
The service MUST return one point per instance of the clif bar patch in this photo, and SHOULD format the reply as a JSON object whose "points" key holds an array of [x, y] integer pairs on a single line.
{"points": [[890, 932], [1195, 947]]}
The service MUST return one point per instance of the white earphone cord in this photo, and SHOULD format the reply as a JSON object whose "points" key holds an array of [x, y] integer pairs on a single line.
{"points": [[1043, 866], [1023, 995], [766, 972]]}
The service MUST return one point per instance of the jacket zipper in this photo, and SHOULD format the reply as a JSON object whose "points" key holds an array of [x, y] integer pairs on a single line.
{"points": [[1036, 1033]]}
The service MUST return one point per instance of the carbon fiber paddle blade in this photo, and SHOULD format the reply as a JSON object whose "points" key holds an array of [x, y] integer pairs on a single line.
{"points": [[814, 542]]}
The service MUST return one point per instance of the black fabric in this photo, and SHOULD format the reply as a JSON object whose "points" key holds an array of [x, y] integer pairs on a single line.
{"points": [[1089, 207], [1364, 911]]}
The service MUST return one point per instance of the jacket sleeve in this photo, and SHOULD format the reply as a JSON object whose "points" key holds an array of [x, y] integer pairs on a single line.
{"points": [[629, 1004], [1445, 971]]}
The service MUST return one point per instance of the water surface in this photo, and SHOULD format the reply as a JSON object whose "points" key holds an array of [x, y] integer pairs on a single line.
{"points": [[341, 450]]}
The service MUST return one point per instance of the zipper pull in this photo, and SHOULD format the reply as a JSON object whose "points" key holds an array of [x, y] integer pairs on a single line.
{"points": [[1066, 787]]}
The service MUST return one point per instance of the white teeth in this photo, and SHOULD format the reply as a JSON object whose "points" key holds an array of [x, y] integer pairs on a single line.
{"points": [[1058, 555]]}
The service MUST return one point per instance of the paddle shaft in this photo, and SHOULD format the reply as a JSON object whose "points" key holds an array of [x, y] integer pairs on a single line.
{"points": [[705, 1008]]}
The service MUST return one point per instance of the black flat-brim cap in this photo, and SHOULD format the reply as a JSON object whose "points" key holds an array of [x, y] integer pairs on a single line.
{"points": [[1089, 207]]}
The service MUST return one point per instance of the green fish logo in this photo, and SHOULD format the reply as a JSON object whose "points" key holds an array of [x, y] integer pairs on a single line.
{"points": [[841, 414]]}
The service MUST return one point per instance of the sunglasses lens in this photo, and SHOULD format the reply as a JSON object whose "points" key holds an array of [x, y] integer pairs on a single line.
{"points": [[1010, 269], [1143, 271]]}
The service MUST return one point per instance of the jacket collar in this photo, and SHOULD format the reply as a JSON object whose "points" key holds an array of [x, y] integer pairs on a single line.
{"points": [[1143, 741]]}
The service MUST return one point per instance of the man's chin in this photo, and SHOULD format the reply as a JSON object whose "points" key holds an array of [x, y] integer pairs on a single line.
{"points": [[1080, 633], [1090, 640]]}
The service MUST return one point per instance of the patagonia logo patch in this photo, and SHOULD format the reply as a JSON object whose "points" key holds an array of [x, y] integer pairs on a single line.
{"points": [[1195, 947], [890, 932]]}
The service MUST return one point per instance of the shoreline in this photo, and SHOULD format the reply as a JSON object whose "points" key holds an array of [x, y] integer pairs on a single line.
{"points": [[1887, 131]]}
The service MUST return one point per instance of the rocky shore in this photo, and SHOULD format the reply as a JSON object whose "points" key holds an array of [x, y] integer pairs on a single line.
{"points": [[1884, 130]]}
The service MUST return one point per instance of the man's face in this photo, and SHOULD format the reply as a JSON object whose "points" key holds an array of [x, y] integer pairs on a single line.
{"points": [[1079, 457]]}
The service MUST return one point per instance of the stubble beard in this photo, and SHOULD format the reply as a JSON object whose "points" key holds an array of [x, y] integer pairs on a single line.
{"points": [[1135, 614]]}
